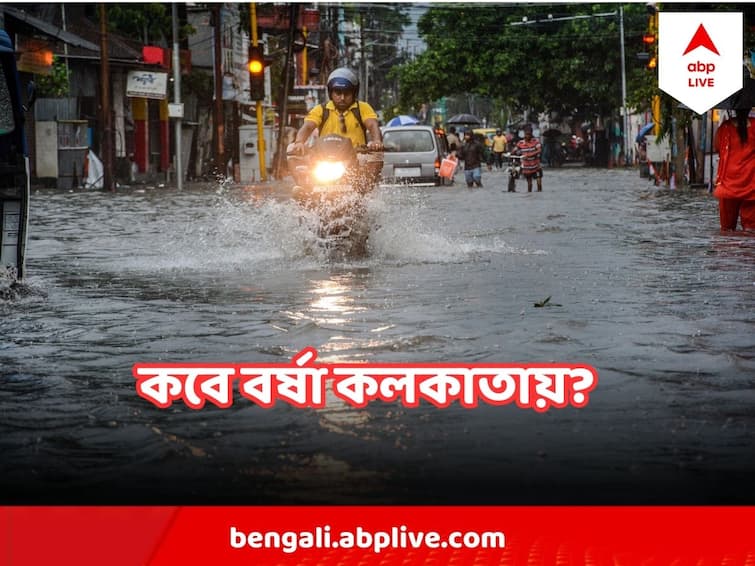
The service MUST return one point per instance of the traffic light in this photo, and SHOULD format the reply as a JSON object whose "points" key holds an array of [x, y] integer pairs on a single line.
{"points": [[256, 73], [649, 52]]}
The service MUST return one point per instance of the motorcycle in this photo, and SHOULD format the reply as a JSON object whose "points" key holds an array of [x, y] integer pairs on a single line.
{"points": [[513, 169], [574, 150], [333, 181]]}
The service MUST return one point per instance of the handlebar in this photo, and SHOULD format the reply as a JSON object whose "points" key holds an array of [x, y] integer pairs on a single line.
{"points": [[511, 156], [358, 149], [365, 149]]}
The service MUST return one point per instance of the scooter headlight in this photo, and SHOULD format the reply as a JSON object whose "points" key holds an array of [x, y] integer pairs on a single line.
{"points": [[329, 171]]}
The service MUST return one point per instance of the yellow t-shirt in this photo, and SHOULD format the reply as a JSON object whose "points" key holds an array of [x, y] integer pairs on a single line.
{"points": [[499, 143], [333, 126]]}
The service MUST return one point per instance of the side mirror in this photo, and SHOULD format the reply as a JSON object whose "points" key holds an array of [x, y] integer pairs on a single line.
{"points": [[31, 95]]}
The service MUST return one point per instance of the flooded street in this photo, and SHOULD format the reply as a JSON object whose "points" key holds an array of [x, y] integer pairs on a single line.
{"points": [[642, 287]]}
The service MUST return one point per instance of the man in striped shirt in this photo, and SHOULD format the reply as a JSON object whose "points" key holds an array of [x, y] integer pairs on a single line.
{"points": [[530, 149]]}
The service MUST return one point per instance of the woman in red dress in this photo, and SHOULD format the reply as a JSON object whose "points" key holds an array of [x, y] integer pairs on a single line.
{"points": [[735, 182]]}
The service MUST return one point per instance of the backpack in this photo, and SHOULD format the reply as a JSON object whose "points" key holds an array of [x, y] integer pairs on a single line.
{"points": [[357, 114]]}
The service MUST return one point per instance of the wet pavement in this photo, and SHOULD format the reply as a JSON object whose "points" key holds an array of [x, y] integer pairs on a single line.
{"points": [[642, 287]]}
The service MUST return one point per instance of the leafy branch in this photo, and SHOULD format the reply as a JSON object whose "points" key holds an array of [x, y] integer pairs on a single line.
{"points": [[55, 84]]}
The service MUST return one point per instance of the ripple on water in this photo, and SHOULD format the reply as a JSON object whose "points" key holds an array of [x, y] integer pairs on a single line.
{"points": [[651, 295]]}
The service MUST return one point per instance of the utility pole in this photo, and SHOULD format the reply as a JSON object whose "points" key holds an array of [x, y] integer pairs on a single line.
{"points": [[218, 115], [65, 43], [177, 97], [107, 125], [293, 17], [261, 146], [363, 54], [304, 69], [624, 109]]}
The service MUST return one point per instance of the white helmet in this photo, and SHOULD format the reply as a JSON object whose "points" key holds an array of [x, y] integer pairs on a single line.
{"points": [[343, 78]]}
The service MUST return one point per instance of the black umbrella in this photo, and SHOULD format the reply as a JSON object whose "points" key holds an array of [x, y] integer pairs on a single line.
{"points": [[464, 119]]}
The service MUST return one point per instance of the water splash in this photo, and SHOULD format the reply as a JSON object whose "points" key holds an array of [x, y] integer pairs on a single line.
{"points": [[231, 229], [14, 290]]}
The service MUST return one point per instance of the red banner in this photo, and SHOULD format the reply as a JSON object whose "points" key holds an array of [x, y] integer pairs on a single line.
{"points": [[377, 535]]}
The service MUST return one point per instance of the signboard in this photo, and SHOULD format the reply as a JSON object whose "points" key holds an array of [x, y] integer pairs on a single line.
{"points": [[147, 84], [657, 151], [700, 56], [277, 16], [176, 110]]}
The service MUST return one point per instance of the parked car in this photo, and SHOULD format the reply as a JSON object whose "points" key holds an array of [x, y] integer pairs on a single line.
{"points": [[413, 154]]}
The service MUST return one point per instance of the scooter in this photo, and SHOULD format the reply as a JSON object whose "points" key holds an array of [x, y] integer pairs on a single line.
{"points": [[513, 169], [334, 180]]}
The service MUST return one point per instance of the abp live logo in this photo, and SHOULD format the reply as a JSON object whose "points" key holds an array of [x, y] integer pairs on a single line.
{"points": [[700, 56]]}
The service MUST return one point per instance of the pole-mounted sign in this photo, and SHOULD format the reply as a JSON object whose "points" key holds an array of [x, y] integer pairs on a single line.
{"points": [[700, 56]]}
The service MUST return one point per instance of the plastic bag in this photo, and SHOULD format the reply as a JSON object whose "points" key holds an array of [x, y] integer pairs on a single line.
{"points": [[448, 167]]}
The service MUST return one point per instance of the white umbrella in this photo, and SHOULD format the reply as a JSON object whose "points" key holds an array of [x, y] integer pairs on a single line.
{"points": [[402, 120]]}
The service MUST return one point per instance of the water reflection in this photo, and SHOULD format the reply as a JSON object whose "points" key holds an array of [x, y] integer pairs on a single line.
{"points": [[650, 294], [341, 418], [333, 300], [337, 303]]}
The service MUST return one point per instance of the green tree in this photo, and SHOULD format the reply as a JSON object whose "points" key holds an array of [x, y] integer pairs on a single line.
{"points": [[151, 22], [563, 58]]}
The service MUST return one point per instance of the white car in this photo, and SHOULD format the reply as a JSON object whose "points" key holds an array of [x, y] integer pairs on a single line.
{"points": [[413, 155]]}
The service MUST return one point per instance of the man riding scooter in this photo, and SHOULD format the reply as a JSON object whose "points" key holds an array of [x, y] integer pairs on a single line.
{"points": [[348, 117]]}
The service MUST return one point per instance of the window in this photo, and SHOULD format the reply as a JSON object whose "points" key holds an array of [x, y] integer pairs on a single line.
{"points": [[409, 141]]}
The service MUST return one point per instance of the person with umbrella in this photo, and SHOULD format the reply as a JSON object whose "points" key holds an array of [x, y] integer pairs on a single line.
{"points": [[735, 181], [464, 120], [473, 154], [641, 143]]}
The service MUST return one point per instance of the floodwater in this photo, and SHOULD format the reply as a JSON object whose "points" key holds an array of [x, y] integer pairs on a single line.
{"points": [[642, 287]]}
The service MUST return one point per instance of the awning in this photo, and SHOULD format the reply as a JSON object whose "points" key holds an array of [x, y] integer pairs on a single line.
{"points": [[49, 29]]}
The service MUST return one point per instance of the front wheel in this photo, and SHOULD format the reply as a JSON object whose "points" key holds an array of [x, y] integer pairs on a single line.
{"points": [[512, 184]]}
